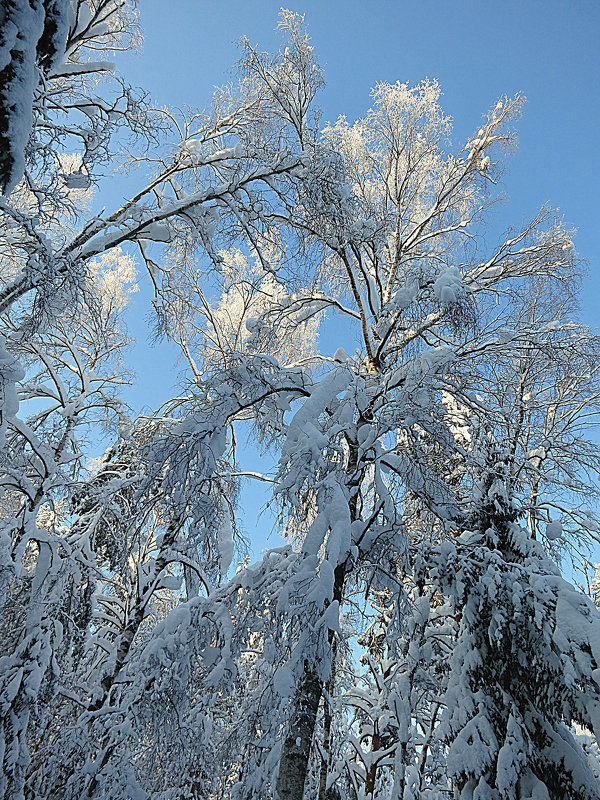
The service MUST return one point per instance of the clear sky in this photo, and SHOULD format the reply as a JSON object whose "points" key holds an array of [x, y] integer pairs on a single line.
{"points": [[545, 49], [548, 50], [479, 51]]}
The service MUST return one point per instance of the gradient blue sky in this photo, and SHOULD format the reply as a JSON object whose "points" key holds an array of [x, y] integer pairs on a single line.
{"points": [[547, 50]]}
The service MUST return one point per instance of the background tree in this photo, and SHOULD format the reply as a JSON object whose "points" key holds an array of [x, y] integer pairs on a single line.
{"points": [[135, 664]]}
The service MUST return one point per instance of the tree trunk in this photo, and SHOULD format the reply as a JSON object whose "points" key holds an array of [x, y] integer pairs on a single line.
{"points": [[326, 755], [293, 766], [296, 750]]}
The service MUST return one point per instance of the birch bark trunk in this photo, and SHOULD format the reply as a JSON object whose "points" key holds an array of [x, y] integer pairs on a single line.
{"points": [[293, 767]]}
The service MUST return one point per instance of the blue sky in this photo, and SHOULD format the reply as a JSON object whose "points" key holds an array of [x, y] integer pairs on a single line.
{"points": [[547, 50]]}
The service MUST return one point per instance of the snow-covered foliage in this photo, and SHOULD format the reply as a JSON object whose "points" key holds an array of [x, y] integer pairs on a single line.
{"points": [[507, 730], [414, 638]]}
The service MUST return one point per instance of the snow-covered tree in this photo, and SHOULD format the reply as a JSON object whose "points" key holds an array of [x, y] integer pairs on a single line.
{"points": [[429, 455], [523, 663]]}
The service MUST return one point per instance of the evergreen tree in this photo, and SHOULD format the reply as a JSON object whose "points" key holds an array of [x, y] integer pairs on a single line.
{"points": [[423, 482]]}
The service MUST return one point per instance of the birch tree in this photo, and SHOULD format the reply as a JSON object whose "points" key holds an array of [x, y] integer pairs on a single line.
{"points": [[428, 460]]}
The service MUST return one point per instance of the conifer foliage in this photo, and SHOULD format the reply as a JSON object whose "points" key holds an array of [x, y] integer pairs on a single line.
{"points": [[413, 636]]}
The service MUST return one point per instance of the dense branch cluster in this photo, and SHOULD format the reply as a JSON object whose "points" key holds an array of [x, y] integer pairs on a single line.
{"points": [[414, 638]]}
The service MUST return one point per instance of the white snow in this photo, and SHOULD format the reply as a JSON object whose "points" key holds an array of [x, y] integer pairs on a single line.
{"points": [[448, 286], [554, 530], [283, 682]]}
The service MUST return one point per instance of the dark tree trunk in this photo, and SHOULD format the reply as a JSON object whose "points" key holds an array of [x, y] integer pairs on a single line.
{"points": [[293, 767], [326, 756], [297, 746]]}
